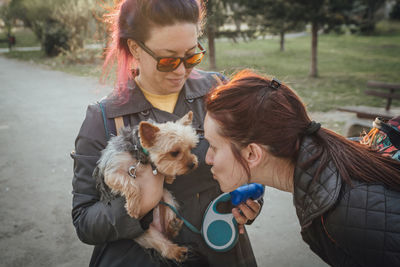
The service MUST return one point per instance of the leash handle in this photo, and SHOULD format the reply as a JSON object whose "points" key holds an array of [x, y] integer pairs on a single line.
{"points": [[188, 224]]}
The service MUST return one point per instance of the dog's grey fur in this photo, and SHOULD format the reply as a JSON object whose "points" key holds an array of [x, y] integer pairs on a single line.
{"points": [[127, 141]]}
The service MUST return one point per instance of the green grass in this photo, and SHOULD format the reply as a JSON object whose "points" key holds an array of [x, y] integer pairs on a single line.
{"points": [[345, 64], [33, 56], [61, 63], [24, 38]]}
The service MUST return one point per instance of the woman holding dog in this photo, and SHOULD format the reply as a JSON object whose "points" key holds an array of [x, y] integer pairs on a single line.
{"points": [[155, 46], [347, 197]]}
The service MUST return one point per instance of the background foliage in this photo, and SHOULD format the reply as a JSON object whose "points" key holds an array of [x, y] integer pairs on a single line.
{"points": [[240, 34]]}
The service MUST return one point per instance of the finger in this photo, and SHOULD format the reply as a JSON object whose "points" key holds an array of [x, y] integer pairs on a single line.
{"points": [[241, 228], [247, 212], [254, 205], [240, 219]]}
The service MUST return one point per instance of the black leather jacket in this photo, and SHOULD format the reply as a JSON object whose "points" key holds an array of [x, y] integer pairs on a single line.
{"points": [[345, 225], [108, 227]]}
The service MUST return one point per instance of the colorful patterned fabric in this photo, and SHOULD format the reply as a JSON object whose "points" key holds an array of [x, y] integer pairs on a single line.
{"points": [[384, 137]]}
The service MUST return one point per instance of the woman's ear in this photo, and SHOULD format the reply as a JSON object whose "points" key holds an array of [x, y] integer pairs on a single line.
{"points": [[133, 48], [253, 154]]}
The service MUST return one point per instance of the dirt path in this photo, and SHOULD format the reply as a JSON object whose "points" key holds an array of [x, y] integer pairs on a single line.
{"points": [[41, 114]]}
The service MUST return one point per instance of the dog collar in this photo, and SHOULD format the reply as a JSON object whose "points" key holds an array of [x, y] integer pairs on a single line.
{"points": [[144, 150], [153, 167]]}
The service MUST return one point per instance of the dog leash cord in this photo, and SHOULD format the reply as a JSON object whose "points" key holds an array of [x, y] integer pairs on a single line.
{"points": [[188, 224]]}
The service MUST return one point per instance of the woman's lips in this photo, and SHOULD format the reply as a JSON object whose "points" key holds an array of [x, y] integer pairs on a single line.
{"points": [[215, 177]]}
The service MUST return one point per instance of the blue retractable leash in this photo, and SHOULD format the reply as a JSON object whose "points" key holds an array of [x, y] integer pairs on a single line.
{"points": [[220, 231]]}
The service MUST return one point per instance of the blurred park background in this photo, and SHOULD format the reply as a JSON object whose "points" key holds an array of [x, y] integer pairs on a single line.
{"points": [[326, 50]]}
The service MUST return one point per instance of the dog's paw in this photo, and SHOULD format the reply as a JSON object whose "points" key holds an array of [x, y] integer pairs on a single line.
{"points": [[177, 253], [173, 227]]}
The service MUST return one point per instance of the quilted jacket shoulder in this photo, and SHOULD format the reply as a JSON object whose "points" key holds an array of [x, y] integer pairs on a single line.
{"points": [[365, 223], [312, 198], [346, 225]]}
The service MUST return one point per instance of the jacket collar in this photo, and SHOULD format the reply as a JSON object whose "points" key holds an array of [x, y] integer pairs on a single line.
{"points": [[312, 198], [196, 86], [135, 103]]}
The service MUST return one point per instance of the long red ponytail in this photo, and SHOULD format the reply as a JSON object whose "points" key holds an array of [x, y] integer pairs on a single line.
{"points": [[251, 111]]}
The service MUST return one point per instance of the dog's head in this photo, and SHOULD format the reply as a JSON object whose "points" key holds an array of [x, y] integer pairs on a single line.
{"points": [[169, 145]]}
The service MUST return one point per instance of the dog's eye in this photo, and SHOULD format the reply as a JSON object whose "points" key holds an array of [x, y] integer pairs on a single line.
{"points": [[174, 153]]}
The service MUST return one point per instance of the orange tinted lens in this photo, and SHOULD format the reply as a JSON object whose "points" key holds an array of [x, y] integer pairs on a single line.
{"points": [[193, 60], [168, 64]]}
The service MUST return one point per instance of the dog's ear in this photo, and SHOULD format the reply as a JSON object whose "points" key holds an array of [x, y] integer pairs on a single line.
{"points": [[133, 199], [187, 119], [147, 133]]}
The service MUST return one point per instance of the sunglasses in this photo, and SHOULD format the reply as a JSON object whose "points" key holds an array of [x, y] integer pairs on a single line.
{"points": [[167, 64]]}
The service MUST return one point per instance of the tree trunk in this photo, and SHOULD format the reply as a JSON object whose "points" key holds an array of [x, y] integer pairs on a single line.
{"points": [[314, 46], [211, 46], [282, 40]]}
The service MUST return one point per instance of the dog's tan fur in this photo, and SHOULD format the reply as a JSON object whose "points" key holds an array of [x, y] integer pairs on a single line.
{"points": [[169, 145], [162, 139], [118, 180]]}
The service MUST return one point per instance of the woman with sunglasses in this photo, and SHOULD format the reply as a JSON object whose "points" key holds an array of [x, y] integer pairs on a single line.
{"points": [[155, 45]]}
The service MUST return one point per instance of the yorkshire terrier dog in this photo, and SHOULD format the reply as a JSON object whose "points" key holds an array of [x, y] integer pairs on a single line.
{"points": [[167, 147]]}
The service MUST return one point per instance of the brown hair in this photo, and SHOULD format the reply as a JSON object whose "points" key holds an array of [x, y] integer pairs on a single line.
{"points": [[133, 19], [250, 110]]}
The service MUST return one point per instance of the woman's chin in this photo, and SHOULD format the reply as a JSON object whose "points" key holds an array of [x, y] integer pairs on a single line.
{"points": [[174, 87]]}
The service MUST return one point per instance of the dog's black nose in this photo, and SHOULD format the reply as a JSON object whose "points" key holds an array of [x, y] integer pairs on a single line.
{"points": [[191, 165]]}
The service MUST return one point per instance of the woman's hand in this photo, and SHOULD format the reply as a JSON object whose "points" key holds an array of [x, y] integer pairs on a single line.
{"points": [[151, 188], [246, 211]]}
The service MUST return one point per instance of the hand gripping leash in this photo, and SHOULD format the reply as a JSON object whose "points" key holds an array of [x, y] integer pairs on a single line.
{"points": [[220, 231]]}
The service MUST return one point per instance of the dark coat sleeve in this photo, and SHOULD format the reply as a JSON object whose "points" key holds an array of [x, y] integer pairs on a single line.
{"points": [[95, 221]]}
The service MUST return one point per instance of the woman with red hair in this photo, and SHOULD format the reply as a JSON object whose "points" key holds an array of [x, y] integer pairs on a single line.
{"points": [[347, 197], [155, 47]]}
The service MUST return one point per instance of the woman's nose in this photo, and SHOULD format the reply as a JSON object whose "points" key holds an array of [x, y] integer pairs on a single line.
{"points": [[209, 158], [180, 70]]}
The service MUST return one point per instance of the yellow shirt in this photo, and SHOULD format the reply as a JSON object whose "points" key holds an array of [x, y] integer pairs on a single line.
{"points": [[162, 102]]}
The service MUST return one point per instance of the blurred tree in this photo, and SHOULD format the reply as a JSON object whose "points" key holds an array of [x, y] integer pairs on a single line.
{"points": [[365, 14], [369, 18], [60, 25], [277, 17], [216, 16], [395, 13], [322, 14], [38, 16], [6, 16], [221, 15], [100, 12], [76, 14], [54, 37], [8, 20]]}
